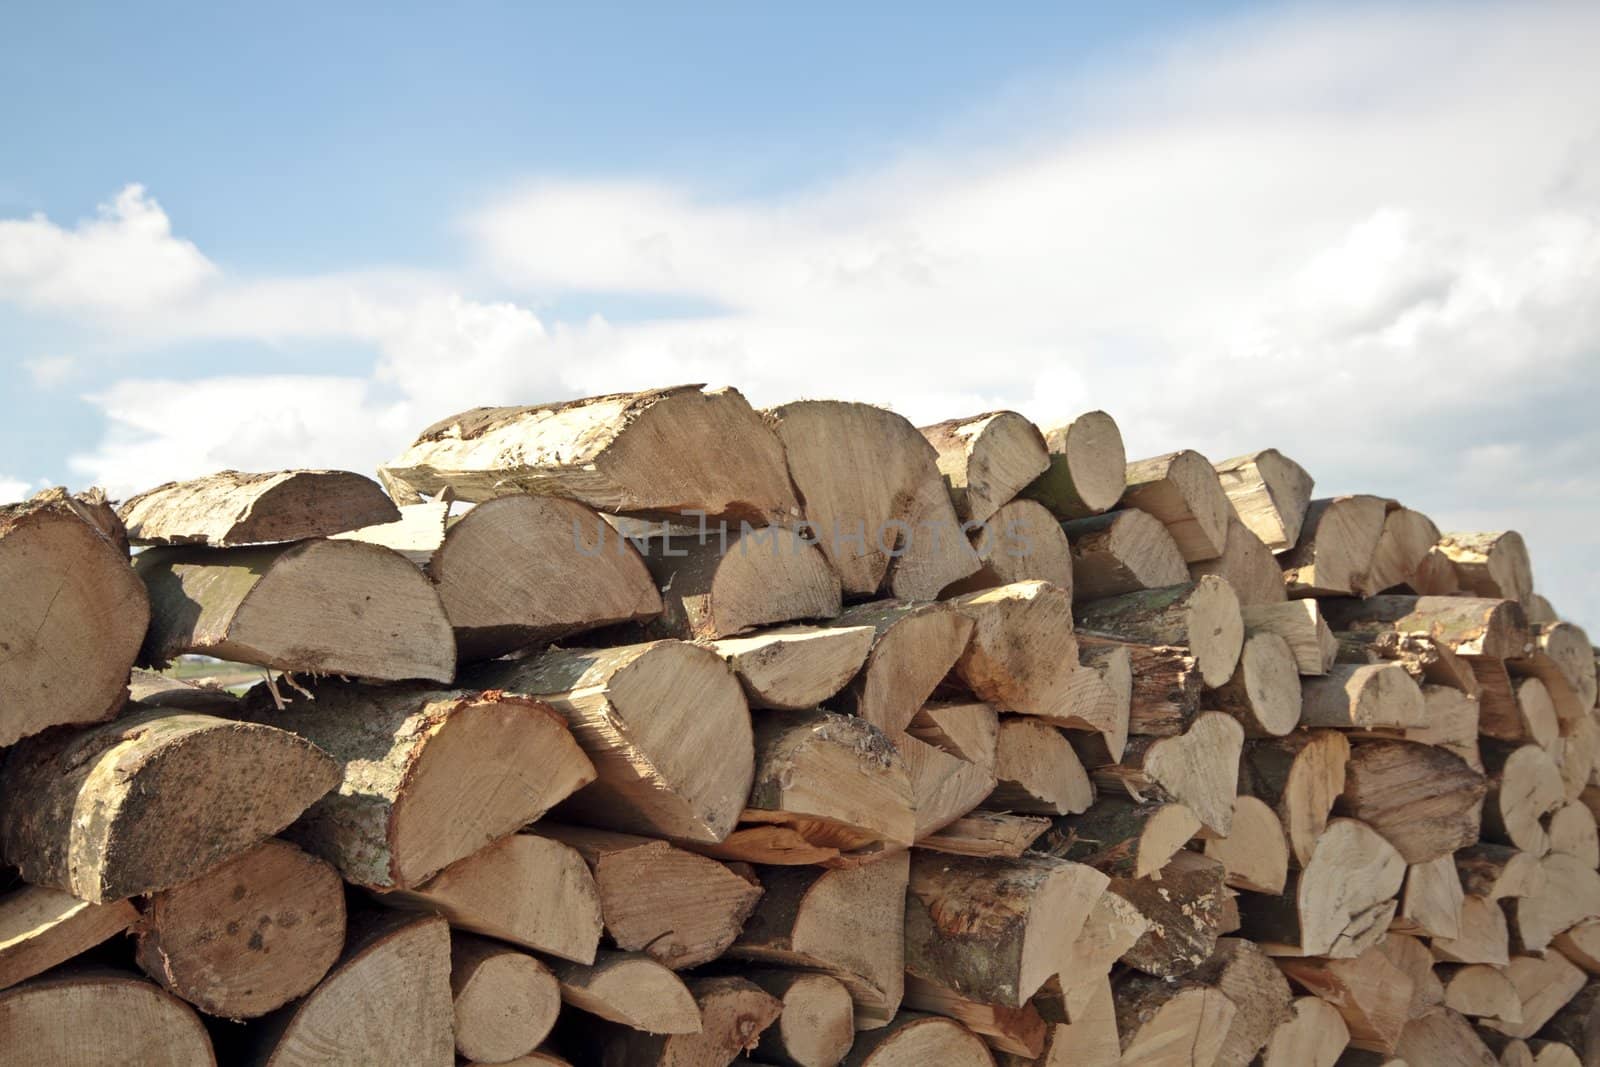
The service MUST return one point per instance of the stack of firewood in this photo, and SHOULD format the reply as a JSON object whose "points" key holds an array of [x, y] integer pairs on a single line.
{"points": [[652, 729]]}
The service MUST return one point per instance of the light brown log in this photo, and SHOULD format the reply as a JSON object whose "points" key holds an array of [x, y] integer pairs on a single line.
{"points": [[1300, 623], [665, 723], [662, 452], [796, 667], [1163, 684], [987, 459], [994, 930], [1427, 661], [1572, 832], [815, 1027], [428, 776], [1543, 985], [524, 889], [1087, 472], [873, 495], [1335, 551], [1183, 490], [1468, 626], [1300, 777], [987, 834], [1089, 1039], [1246, 564], [1171, 1024], [1186, 906], [680, 908], [505, 1001], [1019, 1031], [1562, 651], [1443, 1038], [945, 786], [40, 928], [1495, 871], [1570, 893], [914, 648], [233, 508], [1481, 992], [1490, 564], [1200, 769], [912, 1039], [1425, 801], [1577, 754], [171, 795], [1114, 926], [1577, 1024], [150, 689], [1452, 724], [1363, 697], [722, 586], [1339, 903], [99, 1016], [1415, 960], [1554, 1054], [249, 936], [1202, 616], [1122, 552], [1524, 786], [1483, 936], [733, 1012], [846, 923], [969, 730], [1019, 543], [1270, 492], [1430, 904], [1246, 976], [1120, 838], [1264, 693], [1369, 992], [1037, 771], [71, 599], [632, 990], [1581, 945], [1403, 549], [1315, 1035], [1255, 854], [1519, 711]]}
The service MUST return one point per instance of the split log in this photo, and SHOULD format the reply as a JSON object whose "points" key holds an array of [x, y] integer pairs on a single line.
{"points": [[1403, 549], [1171, 1024], [232, 508], [419, 530], [987, 459], [733, 1014], [506, 1001], [914, 647], [1019, 1031], [40, 928], [1495, 871], [650, 716], [1183, 490], [1581, 945], [1087, 472], [1544, 985], [1264, 693], [1200, 769], [719, 587], [149, 689], [1163, 684], [1021, 542], [1520, 711], [1415, 960], [1246, 564], [632, 990], [944, 786], [1443, 1039], [1246, 976], [1337, 544], [71, 598], [1122, 552], [1300, 623], [1270, 492], [1427, 661], [1573, 833], [846, 923], [1425, 801], [99, 1016], [1089, 1039], [1562, 653], [1202, 616], [915, 1040], [1315, 1035], [1452, 724], [680, 908], [1490, 564], [1255, 854], [987, 834], [92, 507], [171, 794], [311, 607], [1577, 754], [427, 776], [662, 453], [994, 930], [1467, 626], [1187, 907], [1338, 904], [1114, 926], [874, 498], [1120, 838], [1483, 936], [524, 889], [1430, 905], [1524, 786], [1371, 994], [814, 1027], [1300, 777], [1570, 894], [796, 667], [1363, 697], [1481, 992], [249, 936], [969, 730]]}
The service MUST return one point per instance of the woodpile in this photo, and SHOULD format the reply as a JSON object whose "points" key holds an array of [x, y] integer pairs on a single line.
{"points": [[654, 729]]}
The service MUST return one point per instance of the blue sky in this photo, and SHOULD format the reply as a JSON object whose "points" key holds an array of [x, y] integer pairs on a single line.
{"points": [[1366, 234]]}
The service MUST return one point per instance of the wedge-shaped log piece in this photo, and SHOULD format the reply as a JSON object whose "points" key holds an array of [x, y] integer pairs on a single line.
{"points": [[1404, 551], [1490, 564], [506, 1001], [1570, 894], [1122, 552], [1270, 492], [1246, 564], [1255, 854], [232, 508], [40, 928], [873, 496], [966, 729], [989, 834], [1481, 992], [1363, 697], [1495, 871], [1425, 801], [1315, 1035], [1446, 1039], [1508, 710], [815, 1027], [665, 723], [1413, 958], [1337, 544], [1087, 472], [1524, 787], [1300, 623], [1114, 926], [1183, 490], [1370, 992], [661, 453], [1120, 838], [1246, 976], [428, 776], [1203, 616], [1019, 543], [718, 587], [1573, 832], [995, 930], [151, 800], [249, 936], [1468, 626], [1186, 906], [387, 1000], [1483, 936], [525, 889], [1264, 693], [1037, 771], [1020, 1031], [734, 1012], [1022, 654], [1200, 769], [1452, 724], [314, 607], [681, 908], [796, 667], [987, 459], [631, 989], [1581, 945], [1544, 985], [1430, 905], [1171, 1024], [944, 787], [1300, 777], [74, 617], [847, 923], [912, 1039], [1089, 1039], [1338, 904], [93, 1015], [913, 648]]}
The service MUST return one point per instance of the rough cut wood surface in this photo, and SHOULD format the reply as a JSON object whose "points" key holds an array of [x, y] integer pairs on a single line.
{"points": [[734, 1012], [1337, 544], [1270, 492], [1021, 542], [1202, 615], [727, 586], [1020, 1031], [1183, 490], [1171, 1024], [814, 1028], [95, 1015], [505, 1000], [1255, 854], [1469, 626], [792, 668], [914, 646], [1248, 977], [631, 989], [1186, 907], [1199, 769], [1087, 472], [1490, 564], [1338, 904], [40, 928], [1121, 838], [1403, 550], [233, 508], [1247, 565], [1300, 777], [1300, 623], [1264, 692], [916, 1040], [987, 459], [1122, 552], [1425, 801], [1315, 1035]]}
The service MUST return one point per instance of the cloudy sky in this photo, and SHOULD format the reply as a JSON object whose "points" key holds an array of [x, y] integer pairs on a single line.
{"points": [[1366, 235]]}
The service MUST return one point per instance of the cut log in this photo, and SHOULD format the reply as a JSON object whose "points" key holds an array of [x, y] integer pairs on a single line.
{"points": [[632, 990], [1554, 1054], [718, 587], [1335, 551], [1037, 771], [1183, 490], [1089, 1039], [662, 452], [40, 928], [71, 601], [1544, 985], [1163, 684], [233, 508], [171, 795], [1019, 1031], [249, 936], [1203, 616], [1466, 625], [915, 1040], [796, 667], [99, 1016], [1363, 697], [1481, 992], [1415, 960], [1483, 936], [1246, 976], [651, 717], [1113, 927], [1341, 902], [1572, 832], [1300, 623], [1443, 1038], [1300, 777], [914, 648], [1425, 801], [1370, 993], [988, 834], [506, 1001], [1246, 564], [1122, 552], [1270, 492], [1120, 838], [312, 607], [1315, 1035], [1403, 548], [1519, 711], [1430, 905], [678, 907], [994, 930], [1524, 786], [1452, 724], [1495, 871], [987, 459], [1186, 906], [386, 1001], [1171, 1024], [149, 689], [1577, 1024], [1490, 564], [1199, 769], [1562, 652], [1427, 661], [733, 1012], [1255, 854], [92, 507], [428, 776], [944, 787], [1264, 692], [815, 1026], [1087, 472], [969, 730], [1577, 754], [418, 532], [523, 889], [1581, 945], [1569, 895], [846, 923], [874, 498], [1019, 543]]}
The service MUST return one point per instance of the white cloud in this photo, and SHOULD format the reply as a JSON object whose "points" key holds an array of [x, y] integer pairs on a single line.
{"points": [[47, 372], [12, 490]]}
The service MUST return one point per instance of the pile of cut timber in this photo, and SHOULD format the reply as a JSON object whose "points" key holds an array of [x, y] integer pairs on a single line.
{"points": [[654, 730]]}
